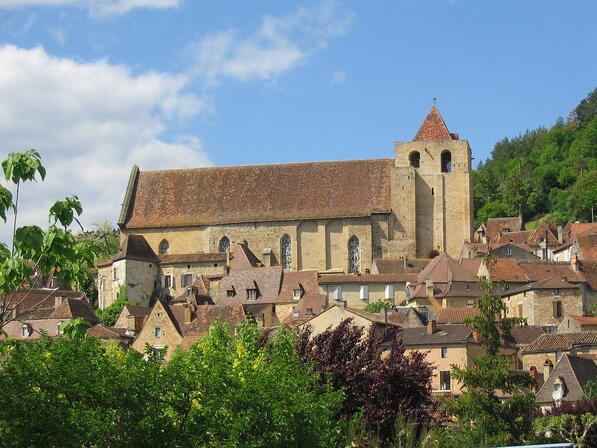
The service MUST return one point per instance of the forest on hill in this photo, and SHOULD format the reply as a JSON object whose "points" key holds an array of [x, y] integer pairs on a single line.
{"points": [[543, 173]]}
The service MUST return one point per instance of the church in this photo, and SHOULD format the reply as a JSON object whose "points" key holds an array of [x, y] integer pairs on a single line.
{"points": [[334, 216]]}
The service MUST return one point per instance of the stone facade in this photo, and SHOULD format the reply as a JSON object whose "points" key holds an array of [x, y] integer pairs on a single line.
{"points": [[539, 307]]}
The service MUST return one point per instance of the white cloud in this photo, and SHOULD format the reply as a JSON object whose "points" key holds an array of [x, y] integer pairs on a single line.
{"points": [[91, 122], [280, 44], [338, 77], [96, 7]]}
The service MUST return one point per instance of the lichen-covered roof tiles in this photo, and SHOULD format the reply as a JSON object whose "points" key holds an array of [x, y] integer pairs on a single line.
{"points": [[258, 193]]}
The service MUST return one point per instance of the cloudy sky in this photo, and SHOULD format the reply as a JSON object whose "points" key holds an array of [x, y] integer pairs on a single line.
{"points": [[99, 85]]}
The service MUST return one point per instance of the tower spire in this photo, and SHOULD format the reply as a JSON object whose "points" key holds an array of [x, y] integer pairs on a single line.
{"points": [[433, 128]]}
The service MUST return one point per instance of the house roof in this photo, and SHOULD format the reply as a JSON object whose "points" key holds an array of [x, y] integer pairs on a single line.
{"points": [[452, 289], [434, 128], [495, 226], [587, 245], [444, 269], [507, 270], [243, 258], [561, 341], [73, 308], [575, 372], [585, 320], [266, 279], [445, 334], [300, 314], [102, 332], [202, 257], [456, 315], [400, 265], [547, 232], [37, 298], [257, 193], [541, 270], [522, 246], [521, 237], [293, 279], [548, 283], [574, 228], [137, 311], [525, 334], [135, 247]]}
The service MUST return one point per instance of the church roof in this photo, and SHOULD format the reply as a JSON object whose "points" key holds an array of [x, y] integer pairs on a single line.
{"points": [[278, 192], [434, 128]]}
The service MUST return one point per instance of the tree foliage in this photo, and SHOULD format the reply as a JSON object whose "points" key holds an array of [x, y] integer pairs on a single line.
{"points": [[225, 391], [376, 307], [380, 385], [52, 251], [543, 172]]}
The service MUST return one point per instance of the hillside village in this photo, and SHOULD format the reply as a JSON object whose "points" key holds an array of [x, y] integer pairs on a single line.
{"points": [[387, 243]]}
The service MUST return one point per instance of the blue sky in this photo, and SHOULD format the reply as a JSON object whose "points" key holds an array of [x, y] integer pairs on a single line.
{"points": [[97, 85]]}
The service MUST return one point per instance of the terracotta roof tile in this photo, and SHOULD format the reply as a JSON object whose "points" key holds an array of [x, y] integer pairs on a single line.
{"points": [[400, 265], [587, 244], [585, 320], [521, 237], [548, 283], [561, 341], [222, 195], [525, 334], [444, 269], [445, 334], [456, 315], [575, 371], [495, 226], [202, 257], [574, 228], [366, 278], [307, 307], [433, 128]]}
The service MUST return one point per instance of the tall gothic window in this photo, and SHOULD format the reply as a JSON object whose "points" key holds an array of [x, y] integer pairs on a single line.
{"points": [[224, 245], [286, 252], [164, 247], [354, 254]]}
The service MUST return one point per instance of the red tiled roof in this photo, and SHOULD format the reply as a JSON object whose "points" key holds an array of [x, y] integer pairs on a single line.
{"points": [[433, 128], [561, 341], [495, 226], [445, 334], [203, 257], [587, 244], [444, 269], [400, 265], [574, 228], [521, 237], [366, 278], [585, 320], [548, 283], [456, 315], [222, 195]]}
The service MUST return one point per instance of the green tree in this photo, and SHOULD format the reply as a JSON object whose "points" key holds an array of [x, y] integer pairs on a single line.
{"points": [[377, 307], [109, 315], [483, 419], [53, 251]]}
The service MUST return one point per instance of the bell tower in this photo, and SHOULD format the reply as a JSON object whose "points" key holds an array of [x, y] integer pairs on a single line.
{"points": [[432, 195]]}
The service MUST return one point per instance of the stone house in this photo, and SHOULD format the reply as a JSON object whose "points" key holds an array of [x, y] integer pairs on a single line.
{"points": [[325, 216], [549, 348], [545, 302], [583, 246], [132, 318], [546, 238], [358, 290], [444, 283], [53, 309], [169, 326], [494, 228], [574, 324]]}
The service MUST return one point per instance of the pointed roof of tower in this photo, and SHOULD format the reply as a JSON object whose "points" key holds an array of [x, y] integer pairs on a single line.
{"points": [[434, 128]]}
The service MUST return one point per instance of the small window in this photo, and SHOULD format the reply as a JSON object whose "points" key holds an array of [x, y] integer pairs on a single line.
{"points": [[190, 292], [364, 293], [557, 309], [164, 247], [230, 293], [114, 274], [309, 311], [157, 331], [338, 293], [252, 294], [215, 265], [168, 281], [446, 162], [389, 292], [415, 159], [25, 331], [224, 245], [556, 292], [187, 280], [444, 380], [296, 293], [103, 284], [509, 251], [378, 252], [506, 230], [585, 349], [444, 352], [59, 329], [295, 314]]}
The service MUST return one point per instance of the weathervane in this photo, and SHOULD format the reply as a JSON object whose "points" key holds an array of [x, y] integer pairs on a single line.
{"points": [[434, 101]]}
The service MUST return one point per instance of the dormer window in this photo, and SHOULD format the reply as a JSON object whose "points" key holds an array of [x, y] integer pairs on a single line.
{"points": [[190, 292], [230, 293], [252, 294], [556, 292], [296, 293], [309, 311]]}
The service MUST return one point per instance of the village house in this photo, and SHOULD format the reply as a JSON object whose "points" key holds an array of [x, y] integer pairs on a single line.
{"points": [[549, 348], [169, 326], [45, 311], [564, 383], [574, 324], [546, 238], [494, 228], [583, 246]]}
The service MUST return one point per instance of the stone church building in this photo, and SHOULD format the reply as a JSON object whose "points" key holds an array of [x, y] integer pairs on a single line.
{"points": [[327, 216]]}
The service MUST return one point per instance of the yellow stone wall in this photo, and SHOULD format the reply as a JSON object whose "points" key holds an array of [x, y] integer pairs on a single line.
{"points": [[351, 293], [537, 305], [457, 355], [169, 338], [177, 270]]}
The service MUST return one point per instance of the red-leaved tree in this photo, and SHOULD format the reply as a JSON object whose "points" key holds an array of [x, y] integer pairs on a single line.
{"points": [[376, 375]]}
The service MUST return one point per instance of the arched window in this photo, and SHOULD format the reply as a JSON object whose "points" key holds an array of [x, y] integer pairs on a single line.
{"points": [[224, 245], [446, 162], [164, 247], [286, 252], [354, 254], [415, 159]]}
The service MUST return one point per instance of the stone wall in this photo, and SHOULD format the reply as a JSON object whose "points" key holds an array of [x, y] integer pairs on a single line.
{"points": [[537, 306], [351, 293], [169, 336]]}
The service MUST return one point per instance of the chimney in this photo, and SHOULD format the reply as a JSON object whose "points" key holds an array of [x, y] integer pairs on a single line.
{"points": [[432, 326], [58, 301], [574, 263], [547, 369], [429, 287], [267, 257]]}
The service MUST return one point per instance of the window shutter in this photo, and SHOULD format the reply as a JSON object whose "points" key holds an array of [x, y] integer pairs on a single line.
{"points": [[182, 282], [163, 281], [173, 277]]}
